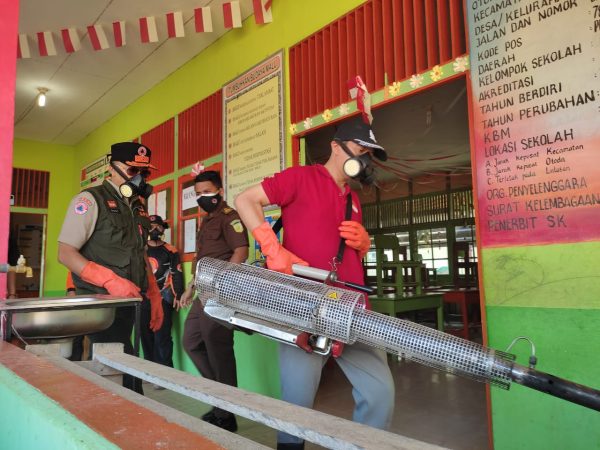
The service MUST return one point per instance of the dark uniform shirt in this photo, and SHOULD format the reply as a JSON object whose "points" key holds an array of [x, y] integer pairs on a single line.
{"points": [[220, 234], [165, 263], [13, 251]]}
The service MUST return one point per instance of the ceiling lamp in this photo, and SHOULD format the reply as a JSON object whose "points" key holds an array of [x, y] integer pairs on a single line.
{"points": [[41, 97]]}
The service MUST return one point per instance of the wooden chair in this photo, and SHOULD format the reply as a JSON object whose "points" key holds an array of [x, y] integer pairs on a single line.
{"points": [[465, 269], [395, 274]]}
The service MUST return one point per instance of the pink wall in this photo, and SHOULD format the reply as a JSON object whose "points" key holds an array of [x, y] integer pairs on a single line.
{"points": [[9, 21]]}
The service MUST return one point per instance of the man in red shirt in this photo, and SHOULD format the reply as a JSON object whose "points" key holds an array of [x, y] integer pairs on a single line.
{"points": [[314, 201]]}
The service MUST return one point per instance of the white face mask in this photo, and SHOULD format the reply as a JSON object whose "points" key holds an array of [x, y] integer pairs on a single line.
{"points": [[358, 167]]}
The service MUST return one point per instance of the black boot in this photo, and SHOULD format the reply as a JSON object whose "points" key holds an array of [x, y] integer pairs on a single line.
{"points": [[227, 423], [290, 446], [207, 417]]}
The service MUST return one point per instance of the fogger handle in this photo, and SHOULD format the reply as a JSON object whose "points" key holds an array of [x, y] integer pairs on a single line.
{"points": [[557, 387], [311, 272], [327, 276]]}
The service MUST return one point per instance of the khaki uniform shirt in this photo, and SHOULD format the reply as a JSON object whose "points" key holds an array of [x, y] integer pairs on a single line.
{"points": [[81, 218], [221, 233]]}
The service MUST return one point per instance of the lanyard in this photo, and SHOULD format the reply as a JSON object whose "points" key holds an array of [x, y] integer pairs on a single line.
{"points": [[340, 254]]}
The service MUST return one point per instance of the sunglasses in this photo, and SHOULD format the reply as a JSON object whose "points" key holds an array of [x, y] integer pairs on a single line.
{"points": [[133, 171]]}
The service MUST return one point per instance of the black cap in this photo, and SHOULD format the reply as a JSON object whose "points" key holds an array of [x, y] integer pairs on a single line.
{"points": [[356, 130], [132, 154], [159, 221]]}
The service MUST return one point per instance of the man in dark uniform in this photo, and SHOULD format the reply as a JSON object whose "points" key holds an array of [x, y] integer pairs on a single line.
{"points": [[209, 344], [165, 262], [13, 260], [103, 243]]}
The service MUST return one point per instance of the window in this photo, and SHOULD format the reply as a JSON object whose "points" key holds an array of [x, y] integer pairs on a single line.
{"points": [[403, 239], [161, 204], [466, 233], [432, 245]]}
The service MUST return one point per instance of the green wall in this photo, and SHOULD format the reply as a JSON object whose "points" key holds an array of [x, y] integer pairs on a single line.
{"points": [[550, 294], [59, 160], [32, 421]]}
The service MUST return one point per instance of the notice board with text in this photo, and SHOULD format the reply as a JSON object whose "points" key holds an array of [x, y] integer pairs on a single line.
{"points": [[535, 78]]}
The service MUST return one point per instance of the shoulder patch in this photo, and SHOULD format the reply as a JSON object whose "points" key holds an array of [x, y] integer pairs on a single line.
{"points": [[85, 200], [237, 226], [113, 206], [227, 210], [81, 207]]}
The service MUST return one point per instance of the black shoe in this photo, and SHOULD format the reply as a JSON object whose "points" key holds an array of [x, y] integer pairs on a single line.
{"points": [[290, 446], [209, 416], [227, 423]]}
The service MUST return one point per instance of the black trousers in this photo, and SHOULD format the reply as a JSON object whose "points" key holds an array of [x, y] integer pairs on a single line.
{"points": [[120, 331], [157, 346], [210, 346]]}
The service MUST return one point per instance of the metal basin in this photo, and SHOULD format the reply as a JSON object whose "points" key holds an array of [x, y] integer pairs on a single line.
{"points": [[62, 317]]}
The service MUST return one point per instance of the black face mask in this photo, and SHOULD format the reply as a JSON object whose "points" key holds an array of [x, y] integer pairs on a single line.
{"points": [[135, 185], [209, 202], [155, 235], [358, 168]]}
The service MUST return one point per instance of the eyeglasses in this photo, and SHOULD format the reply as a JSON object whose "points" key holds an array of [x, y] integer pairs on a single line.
{"points": [[133, 171]]}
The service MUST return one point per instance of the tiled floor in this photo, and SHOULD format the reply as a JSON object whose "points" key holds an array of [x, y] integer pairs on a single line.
{"points": [[431, 406]]}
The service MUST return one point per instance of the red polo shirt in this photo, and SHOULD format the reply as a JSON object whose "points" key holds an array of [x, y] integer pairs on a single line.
{"points": [[313, 207]]}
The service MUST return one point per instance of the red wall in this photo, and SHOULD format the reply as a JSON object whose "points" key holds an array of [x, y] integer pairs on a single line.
{"points": [[9, 20]]}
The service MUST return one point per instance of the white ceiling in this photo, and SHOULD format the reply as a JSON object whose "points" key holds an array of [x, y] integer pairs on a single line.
{"points": [[87, 87]]}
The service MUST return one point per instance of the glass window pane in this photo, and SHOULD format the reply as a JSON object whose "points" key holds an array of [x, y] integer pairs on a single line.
{"points": [[442, 266], [428, 263], [423, 238], [438, 235], [464, 233], [440, 252], [425, 253]]}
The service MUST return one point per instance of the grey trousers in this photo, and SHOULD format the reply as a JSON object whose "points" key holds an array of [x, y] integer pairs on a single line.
{"points": [[367, 370]]}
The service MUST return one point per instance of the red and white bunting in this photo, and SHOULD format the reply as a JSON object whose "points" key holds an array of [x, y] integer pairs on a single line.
{"points": [[97, 37], [203, 20], [23, 47], [119, 33], [232, 16], [46, 43], [70, 39], [358, 90], [262, 11], [148, 31], [175, 24]]}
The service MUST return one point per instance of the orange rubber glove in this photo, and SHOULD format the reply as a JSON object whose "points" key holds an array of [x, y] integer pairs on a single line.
{"points": [[278, 258], [69, 285], [103, 277], [356, 236], [156, 309]]}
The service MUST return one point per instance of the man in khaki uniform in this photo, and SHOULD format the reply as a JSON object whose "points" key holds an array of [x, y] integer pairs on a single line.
{"points": [[103, 243], [209, 344]]}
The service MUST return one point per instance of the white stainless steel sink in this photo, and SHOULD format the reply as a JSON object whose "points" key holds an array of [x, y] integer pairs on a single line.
{"points": [[58, 317]]}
